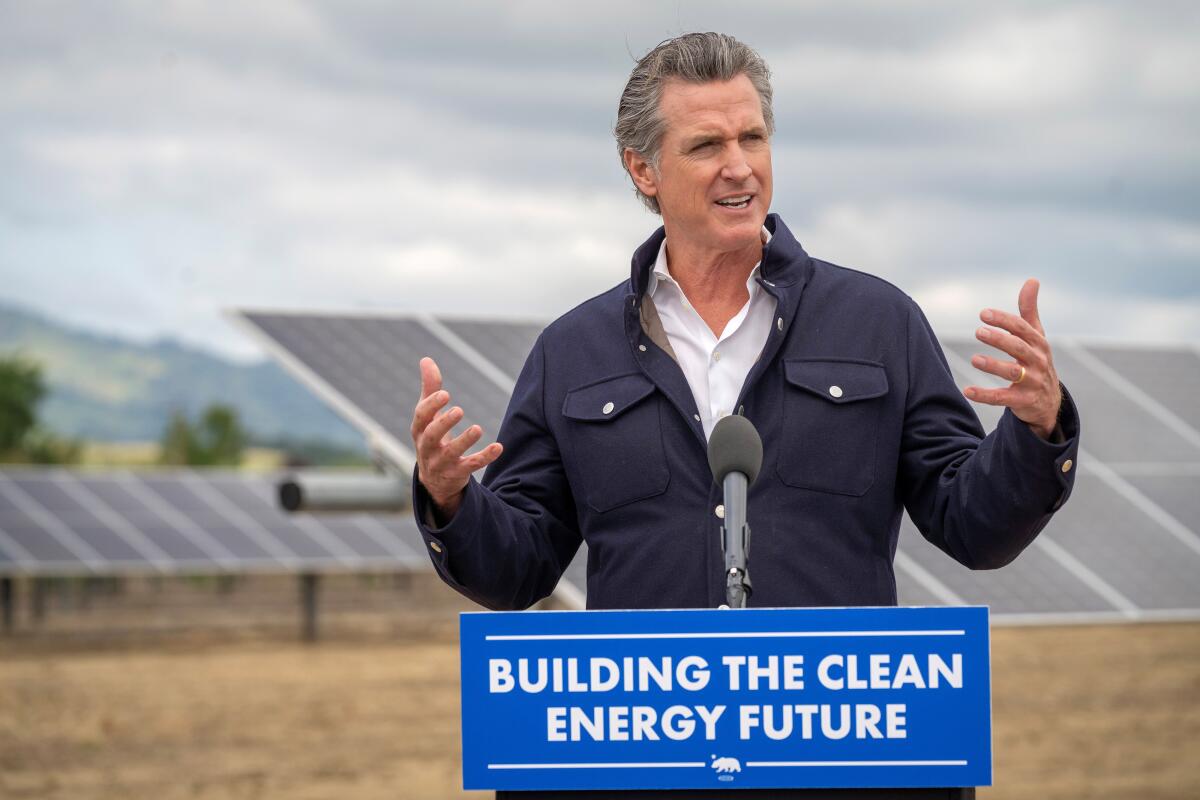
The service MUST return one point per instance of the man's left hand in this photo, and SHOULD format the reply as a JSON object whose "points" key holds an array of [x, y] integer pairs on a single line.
{"points": [[1034, 394]]}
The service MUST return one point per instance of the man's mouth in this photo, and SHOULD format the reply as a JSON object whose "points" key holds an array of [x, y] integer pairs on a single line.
{"points": [[739, 201]]}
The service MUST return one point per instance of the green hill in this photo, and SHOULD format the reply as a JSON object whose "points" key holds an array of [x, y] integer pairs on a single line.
{"points": [[106, 388]]}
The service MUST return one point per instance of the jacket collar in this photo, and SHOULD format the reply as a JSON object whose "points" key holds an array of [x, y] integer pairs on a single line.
{"points": [[784, 261], [784, 272]]}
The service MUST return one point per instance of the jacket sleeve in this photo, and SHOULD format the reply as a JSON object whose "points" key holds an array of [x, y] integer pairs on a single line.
{"points": [[980, 499], [515, 532]]}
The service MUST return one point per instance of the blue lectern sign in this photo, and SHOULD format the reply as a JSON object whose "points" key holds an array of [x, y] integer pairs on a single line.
{"points": [[868, 697]]}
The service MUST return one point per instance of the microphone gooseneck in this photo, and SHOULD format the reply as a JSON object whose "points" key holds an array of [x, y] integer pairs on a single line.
{"points": [[735, 457]]}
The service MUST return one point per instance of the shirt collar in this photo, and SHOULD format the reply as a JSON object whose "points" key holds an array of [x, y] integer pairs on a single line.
{"points": [[660, 271]]}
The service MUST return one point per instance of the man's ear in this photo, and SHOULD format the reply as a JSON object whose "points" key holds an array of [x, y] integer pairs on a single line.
{"points": [[642, 172]]}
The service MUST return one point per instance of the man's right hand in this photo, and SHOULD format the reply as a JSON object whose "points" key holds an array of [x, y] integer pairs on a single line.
{"points": [[442, 468]]}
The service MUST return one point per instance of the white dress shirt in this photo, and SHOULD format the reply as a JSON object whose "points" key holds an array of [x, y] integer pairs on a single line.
{"points": [[715, 366]]}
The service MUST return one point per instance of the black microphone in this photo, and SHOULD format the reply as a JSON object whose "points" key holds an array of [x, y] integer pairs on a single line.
{"points": [[735, 457]]}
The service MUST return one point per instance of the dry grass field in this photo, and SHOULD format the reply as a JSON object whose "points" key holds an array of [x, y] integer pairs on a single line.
{"points": [[372, 712], [146, 454]]}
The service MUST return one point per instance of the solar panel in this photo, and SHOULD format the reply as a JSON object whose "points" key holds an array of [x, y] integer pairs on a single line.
{"points": [[1034, 583], [1112, 538], [367, 367], [1138, 552], [1170, 376], [55, 521], [1126, 544], [1130, 433], [1171, 491], [25, 542], [505, 344]]}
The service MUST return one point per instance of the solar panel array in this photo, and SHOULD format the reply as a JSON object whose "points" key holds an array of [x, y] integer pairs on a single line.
{"points": [[366, 366], [71, 522], [1125, 546]]}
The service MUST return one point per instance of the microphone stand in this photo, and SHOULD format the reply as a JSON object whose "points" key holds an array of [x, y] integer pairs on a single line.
{"points": [[735, 541], [735, 457]]}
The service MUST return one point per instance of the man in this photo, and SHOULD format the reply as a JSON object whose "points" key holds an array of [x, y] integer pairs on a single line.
{"points": [[605, 435]]}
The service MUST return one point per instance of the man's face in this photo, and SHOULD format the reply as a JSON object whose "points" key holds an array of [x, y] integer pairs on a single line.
{"points": [[714, 152]]}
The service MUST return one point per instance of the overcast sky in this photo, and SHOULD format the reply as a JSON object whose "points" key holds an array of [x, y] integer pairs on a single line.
{"points": [[163, 161]]}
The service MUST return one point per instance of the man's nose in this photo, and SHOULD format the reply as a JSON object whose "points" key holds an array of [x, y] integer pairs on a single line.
{"points": [[736, 167]]}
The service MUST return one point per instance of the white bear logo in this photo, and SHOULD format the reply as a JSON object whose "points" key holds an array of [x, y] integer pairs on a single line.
{"points": [[726, 764]]}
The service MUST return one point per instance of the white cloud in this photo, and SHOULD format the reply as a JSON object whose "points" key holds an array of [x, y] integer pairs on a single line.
{"points": [[165, 162], [953, 307]]}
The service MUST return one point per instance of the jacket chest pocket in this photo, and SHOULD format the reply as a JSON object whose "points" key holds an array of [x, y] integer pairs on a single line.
{"points": [[831, 417], [615, 435]]}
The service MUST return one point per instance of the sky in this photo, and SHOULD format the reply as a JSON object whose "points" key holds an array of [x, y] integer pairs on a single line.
{"points": [[165, 161]]}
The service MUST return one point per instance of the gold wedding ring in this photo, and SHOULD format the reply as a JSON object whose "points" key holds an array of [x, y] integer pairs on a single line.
{"points": [[1020, 377]]}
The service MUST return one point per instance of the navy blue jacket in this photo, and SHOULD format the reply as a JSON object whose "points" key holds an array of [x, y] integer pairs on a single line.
{"points": [[837, 471]]}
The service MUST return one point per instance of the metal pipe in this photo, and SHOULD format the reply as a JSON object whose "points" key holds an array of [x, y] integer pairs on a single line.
{"points": [[341, 492]]}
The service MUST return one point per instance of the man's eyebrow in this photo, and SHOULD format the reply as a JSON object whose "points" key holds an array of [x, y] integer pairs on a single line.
{"points": [[700, 137]]}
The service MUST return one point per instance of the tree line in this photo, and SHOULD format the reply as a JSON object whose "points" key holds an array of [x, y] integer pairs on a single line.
{"points": [[215, 437]]}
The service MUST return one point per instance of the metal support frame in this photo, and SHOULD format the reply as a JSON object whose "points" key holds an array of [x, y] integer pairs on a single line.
{"points": [[310, 583], [8, 606], [38, 589]]}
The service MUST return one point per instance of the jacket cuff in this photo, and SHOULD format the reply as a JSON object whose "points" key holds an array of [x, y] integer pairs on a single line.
{"points": [[1055, 460], [454, 536]]}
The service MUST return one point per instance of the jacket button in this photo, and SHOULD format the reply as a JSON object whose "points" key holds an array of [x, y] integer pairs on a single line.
{"points": [[719, 511], [435, 547], [1066, 465], [642, 347], [696, 417], [835, 391], [779, 323], [608, 407]]}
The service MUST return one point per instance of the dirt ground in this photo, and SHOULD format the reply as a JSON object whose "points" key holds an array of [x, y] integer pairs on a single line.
{"points": [[375, 715]]}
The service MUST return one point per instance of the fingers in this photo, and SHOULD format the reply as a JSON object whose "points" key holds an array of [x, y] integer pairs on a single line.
{"points": [[425, 411], [991, 397], [447, 459], [434, 436], [458, 467], [484, 457], [431, 377], [1015, 346], [1034, 395], [1018, 326], [454, 448], [1002, 369], [443, 469], [1027, 303]]}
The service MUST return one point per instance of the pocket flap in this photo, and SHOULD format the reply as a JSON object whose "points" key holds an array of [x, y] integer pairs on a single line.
{"points": [[837, 380], [607, 399]]}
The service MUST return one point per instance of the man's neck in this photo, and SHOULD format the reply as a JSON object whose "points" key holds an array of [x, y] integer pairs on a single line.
{"points": [[714, 283]]}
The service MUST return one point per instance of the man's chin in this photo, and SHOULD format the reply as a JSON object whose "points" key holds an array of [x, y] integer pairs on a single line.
{"points": [[744, 234], [723, 235]]}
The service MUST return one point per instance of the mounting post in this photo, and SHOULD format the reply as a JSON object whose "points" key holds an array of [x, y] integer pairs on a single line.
{"points": [[309, 584]]}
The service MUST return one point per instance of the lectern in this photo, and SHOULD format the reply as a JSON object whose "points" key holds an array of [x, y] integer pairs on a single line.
{"points": [[804, 703]]}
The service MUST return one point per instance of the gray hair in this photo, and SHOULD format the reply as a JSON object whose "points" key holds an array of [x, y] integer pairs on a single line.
{"points": [[692, 57]]}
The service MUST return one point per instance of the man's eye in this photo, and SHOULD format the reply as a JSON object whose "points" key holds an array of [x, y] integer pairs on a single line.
{"points": [[702, 146]]}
